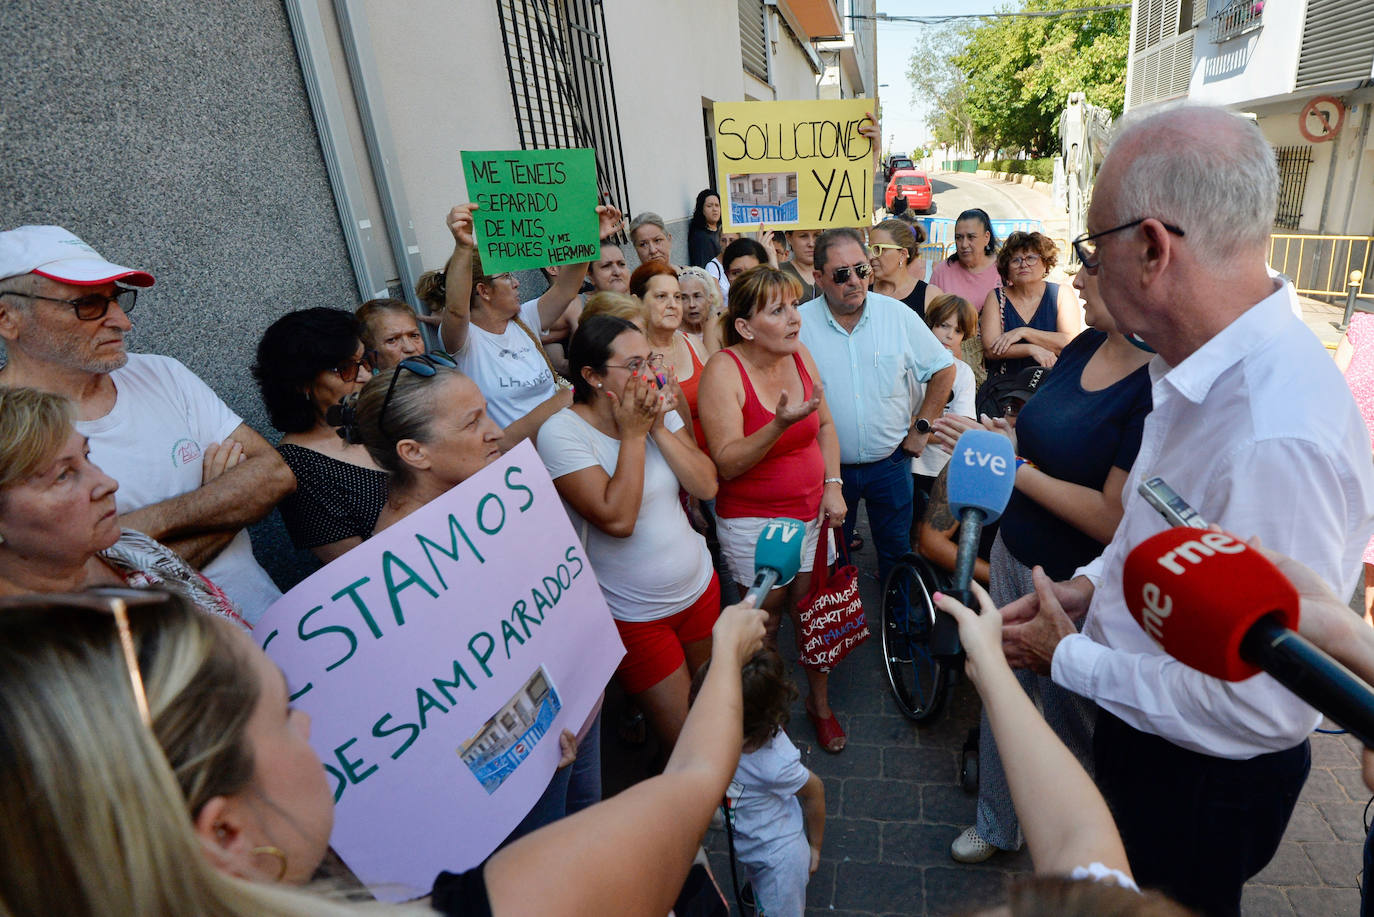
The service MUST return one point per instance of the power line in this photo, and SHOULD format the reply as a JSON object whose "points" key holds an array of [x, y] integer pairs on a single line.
{"points": [[1023, 14]]}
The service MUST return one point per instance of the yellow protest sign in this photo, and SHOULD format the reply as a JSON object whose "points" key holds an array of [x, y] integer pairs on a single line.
{"points": [[794, 165]]}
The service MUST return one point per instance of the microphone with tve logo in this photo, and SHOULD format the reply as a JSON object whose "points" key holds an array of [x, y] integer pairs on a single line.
{"points": [[1221, 607], [777, 556], [982, 473]]}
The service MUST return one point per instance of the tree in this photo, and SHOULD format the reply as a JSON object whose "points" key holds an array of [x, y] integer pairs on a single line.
{"points": [[1001, 84]]}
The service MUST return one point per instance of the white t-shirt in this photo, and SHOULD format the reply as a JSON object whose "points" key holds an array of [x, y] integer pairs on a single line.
{"points": [[508, 369], [933, 459], [664, 566], [153, 443], [763, 795]]}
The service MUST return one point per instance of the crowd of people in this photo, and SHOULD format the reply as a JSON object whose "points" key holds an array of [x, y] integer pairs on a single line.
{"points": [[678, 410]]}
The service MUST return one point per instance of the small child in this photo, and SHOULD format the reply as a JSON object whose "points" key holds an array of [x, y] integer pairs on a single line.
{"points": [[772, 796]]}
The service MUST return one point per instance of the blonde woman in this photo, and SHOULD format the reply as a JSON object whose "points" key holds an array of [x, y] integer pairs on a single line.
{"points": [[188, 784]]}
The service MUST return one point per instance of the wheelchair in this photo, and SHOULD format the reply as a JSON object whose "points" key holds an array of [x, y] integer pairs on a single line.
{"points": [[919, 681]]}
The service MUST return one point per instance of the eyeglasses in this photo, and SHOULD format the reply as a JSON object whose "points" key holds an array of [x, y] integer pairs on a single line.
{"points": [[1085, 246], [876, 249], [841, 274], [426, 365], [1026, 260], [653, 361], [348, 372], [93, 306]]}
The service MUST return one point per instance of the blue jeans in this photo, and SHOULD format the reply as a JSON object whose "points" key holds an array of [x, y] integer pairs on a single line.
{"points": [[885, 487], [584, 783]]}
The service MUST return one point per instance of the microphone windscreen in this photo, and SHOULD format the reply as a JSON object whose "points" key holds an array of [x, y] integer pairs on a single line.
{"points": [[780, 547], [1198, 593], [982, 473]]}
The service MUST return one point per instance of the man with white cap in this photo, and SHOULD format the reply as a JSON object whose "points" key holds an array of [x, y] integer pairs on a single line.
{"points": [[191, 473]]}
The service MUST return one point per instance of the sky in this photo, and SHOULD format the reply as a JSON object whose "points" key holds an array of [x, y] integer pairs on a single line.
{"points": [[903, 119]]}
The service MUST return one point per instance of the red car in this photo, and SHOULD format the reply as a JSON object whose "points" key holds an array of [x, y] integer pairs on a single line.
{"points": [[915, 187]]}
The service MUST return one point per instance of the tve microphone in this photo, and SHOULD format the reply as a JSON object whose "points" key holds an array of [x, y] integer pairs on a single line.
{"points": [[777, 556], [1221, 607], [982, 473]]}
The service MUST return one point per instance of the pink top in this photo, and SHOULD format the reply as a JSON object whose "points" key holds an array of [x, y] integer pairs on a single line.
{"points": [[1359, 375], [790, 479], [957, 279]]}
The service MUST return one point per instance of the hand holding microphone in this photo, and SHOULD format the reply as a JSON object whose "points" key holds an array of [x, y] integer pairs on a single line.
{"points": [[777, 557], [1217, 605]]}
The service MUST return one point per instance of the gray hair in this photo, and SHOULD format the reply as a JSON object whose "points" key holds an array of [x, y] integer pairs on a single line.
{"points": [[832, 237], [1208, 170], [647, 218], [706, 280]]}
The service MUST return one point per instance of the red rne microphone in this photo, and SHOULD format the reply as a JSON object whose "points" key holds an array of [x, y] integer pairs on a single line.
{"points": [[1219, 606], [1199, 593]]}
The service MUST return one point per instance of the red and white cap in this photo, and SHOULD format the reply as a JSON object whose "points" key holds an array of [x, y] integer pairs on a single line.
{"points": [[53, 252]]}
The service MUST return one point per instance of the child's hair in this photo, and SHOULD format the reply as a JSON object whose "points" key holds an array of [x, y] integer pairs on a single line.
{"points": [[767, 695]]}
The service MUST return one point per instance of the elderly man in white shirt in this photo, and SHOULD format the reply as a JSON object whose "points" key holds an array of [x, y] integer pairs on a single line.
{"points": [[1255, 428]]}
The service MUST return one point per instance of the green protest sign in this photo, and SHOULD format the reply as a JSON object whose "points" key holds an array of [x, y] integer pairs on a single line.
{"points": [[537, 207]]}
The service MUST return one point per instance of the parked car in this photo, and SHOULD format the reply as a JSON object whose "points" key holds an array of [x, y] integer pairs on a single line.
{"points": [[895, 162], [915, 187]]}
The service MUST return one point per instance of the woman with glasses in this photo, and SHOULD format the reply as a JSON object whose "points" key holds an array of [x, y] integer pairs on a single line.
{"points": [[971, 272], [773, 442], [664, 305], [59, 530], [618, 457], [892, 248], [307, 362], [494, 337], [1076, 439], [188, 784], [1028, 320]]}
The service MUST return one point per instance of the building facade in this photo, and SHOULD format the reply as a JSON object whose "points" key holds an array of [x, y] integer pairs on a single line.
{"points": [[268, 155]]}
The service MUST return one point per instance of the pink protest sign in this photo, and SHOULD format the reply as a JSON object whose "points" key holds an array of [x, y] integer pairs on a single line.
{"points": [[439, 661]]}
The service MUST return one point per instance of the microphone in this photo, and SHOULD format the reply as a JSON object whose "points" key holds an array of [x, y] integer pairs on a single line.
{"points": [[777, 556], [982, 474], [1221, 607]]}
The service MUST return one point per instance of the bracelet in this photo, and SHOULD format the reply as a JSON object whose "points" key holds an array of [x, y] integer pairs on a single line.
{"points": [[1020, 461], [839, 481]]}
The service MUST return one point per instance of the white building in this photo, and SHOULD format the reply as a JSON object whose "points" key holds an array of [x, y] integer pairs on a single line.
{"points": [[1303, 68]]}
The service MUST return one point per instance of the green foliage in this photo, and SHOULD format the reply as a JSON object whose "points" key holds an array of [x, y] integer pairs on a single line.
{"points": [[1001, 84], [1041, 169]]}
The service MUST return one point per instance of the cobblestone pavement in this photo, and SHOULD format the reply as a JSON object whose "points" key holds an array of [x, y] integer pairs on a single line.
{"points": [[894, 803]]}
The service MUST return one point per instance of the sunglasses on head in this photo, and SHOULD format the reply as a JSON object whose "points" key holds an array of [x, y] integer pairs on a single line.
{"points": [[426, 365], [841, 274]]}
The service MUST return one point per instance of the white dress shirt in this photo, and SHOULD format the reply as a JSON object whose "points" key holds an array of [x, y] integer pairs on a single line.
{"points": [[1259, 433]]}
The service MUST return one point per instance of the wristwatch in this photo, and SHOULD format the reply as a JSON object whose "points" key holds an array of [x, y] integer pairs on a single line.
{"points": [[922, 425]]}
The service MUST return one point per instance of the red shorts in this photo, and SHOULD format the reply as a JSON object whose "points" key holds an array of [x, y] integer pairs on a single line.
{"points": [[653, 649]]}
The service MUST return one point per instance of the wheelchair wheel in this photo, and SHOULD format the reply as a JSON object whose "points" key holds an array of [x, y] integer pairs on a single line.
{"points": [[917, 679]]}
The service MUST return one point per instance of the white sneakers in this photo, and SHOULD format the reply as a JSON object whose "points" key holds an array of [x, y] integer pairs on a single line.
{"points": [[969, 847]]}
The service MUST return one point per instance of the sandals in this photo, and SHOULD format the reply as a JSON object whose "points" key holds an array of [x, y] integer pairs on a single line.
{"points": [[828, 731], [856, 543]]}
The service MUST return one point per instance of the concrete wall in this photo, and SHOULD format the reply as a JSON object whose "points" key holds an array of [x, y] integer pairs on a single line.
{"points": [[1252, 67], [177, 138]]}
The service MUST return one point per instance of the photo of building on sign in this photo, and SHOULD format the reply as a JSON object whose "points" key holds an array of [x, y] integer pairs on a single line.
{"points": [[507, 739], [764, 197]]}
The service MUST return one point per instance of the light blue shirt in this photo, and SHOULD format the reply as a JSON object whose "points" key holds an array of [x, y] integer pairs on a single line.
{"points": [[875, 375]]}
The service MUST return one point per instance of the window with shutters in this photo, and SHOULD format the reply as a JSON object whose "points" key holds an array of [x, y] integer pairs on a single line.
{"points": [[561, 84], [753, 37], [1161, 61], [1337, 42]]}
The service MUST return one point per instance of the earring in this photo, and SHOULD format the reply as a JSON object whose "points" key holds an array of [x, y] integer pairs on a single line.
{"points": [[600, 385], [2, 539], [272, 852]]}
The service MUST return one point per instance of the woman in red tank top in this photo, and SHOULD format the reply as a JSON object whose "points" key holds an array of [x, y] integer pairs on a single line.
{"points": [[769, 431]]}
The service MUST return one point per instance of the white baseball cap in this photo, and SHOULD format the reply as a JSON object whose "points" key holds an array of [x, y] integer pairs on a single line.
{"points": [[53, 252]]}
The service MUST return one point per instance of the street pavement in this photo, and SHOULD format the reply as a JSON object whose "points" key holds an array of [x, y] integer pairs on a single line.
{"points": [[893, 798]]}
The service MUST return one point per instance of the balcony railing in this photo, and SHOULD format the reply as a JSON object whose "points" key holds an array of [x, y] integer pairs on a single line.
{"points": [[1236, 18]]}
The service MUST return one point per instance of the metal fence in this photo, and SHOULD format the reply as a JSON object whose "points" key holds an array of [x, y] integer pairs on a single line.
{"points": [[1321, 265]]}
